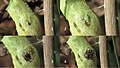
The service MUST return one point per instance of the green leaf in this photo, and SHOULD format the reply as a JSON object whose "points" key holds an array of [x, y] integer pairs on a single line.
{"points": [[22, 51], [81, 18], [85, 55], [26, 21]]}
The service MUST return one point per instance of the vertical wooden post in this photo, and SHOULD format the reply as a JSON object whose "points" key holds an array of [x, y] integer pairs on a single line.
{"points": [[48, 51], [48, 17], [110, 17], [48, 38], [103, 51]]}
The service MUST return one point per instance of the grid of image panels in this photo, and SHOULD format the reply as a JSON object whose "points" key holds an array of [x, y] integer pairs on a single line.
{"points": [[59, 33]]}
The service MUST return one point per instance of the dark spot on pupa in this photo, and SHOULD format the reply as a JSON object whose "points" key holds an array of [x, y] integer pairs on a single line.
{"points": [[28, 22], [21, 27], [88, 21], [77, 27], [80, 57], [26, 56], [18, 60]]}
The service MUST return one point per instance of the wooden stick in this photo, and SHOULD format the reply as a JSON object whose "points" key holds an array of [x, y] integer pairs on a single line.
{"points": [[117, 42], [48, 17], [48, 51], [103, 52], [115, 50], [110, 17], [48, 39]]}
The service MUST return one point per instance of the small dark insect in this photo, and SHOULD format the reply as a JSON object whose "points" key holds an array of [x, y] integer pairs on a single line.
{"points": [[89, 54], [26, 56]]}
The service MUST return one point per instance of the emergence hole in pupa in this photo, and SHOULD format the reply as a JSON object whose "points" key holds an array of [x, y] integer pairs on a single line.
{"points": [[26, 56], [88, 54]]}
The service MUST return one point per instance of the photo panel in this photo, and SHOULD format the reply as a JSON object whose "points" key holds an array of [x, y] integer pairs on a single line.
{"points": [[89, 51], [59, 33], [21, 51], [79, 51], [21, 17]]}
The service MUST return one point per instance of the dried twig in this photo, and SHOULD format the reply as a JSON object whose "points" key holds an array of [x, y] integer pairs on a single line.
{"points": [[48, 39], [103, 51], [115, 50], [110, 17], [117, 42], [48, 51], [48, 17]]}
